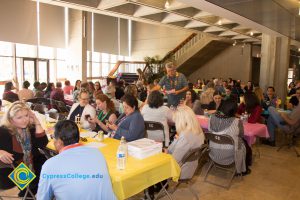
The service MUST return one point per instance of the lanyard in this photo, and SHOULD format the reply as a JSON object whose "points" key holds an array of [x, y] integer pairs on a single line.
{"points": [[70, 147], [100, 115]]}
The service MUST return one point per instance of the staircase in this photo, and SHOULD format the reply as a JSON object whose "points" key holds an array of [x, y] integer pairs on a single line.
{"points": [[195, 52], [189, 55]]}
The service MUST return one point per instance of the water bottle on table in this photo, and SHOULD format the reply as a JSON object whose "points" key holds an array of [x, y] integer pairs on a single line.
{"points": [[122, 154]]}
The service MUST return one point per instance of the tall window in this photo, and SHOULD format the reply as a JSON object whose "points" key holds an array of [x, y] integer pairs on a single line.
{"points": [[290, 75]]}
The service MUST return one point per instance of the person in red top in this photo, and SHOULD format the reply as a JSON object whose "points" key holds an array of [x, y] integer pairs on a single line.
{"points": [[8, 94], [57, 94], [252, 106], [68, 89]]}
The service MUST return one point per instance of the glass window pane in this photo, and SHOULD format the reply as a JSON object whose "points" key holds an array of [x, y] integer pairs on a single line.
{"points": [[29, 71], [96, 69], [7, 64], [61, 54], [105, 57], [96, 57], [24, 50], [121, 58], [6, 49], [46, 52], [19, 63], [105, 69], [52, 75], [290, 73], [113, 58], [43, 71]]}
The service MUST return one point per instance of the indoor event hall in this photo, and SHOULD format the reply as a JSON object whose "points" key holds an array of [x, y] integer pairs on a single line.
{"points": [[149, 99]]}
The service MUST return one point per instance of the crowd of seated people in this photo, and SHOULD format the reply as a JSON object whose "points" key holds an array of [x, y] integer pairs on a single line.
{"points": [[118, 111]]}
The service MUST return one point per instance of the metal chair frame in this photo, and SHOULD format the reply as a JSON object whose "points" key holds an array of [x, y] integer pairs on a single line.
{"points": [[155, 126], [190, 156], [220, 139], [291, 139]]}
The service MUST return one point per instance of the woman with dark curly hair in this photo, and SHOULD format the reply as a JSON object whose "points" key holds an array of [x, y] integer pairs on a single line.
{"points": [[192, 101], [131, 123], [252, 107], [155, 111]]}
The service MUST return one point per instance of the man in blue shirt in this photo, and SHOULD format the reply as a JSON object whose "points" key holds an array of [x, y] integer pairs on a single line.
{"points": [[77, 172], [175, 84]]}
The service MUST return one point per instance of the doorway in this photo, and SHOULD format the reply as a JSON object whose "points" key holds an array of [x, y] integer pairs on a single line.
{"points": [[36, 70]]}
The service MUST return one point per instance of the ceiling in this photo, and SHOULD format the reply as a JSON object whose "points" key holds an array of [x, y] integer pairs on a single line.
{"points": [[281, 16], [214, 17]]}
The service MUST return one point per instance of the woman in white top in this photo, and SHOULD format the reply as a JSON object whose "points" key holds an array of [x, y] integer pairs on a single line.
{"points": [[155, 111]]}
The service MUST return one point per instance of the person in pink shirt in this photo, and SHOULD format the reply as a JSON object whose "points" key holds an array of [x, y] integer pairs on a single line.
{"points": [[68, 89]]}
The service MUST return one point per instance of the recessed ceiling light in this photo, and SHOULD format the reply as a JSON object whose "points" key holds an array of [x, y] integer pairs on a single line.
{"points": [[234, 43], [167, 5], [251, 33]]}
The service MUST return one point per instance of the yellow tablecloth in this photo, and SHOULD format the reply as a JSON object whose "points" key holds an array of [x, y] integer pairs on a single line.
{"points": [[139, 174]]}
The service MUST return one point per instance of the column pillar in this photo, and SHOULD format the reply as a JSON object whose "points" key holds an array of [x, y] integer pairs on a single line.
{"points": [[275, 53], [77, 49]]}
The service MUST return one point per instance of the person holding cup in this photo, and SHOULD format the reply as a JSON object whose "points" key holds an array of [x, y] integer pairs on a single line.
{"points": [[83, 109], [175, 84]]}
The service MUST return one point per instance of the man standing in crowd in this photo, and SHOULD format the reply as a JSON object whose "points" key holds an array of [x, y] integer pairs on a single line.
{"points": [[77, 172], [175, 85]]}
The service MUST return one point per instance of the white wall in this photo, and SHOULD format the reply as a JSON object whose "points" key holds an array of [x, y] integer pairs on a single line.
{"points": [[234, 62], [151, 40]]}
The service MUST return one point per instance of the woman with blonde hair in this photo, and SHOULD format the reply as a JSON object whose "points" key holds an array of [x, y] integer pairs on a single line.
{"points": [[189, 136], [21, 134], [260, 94]]}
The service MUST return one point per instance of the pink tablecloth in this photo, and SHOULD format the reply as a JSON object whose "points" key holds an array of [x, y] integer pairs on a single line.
{"points": [[251, 131], [69, 99]]}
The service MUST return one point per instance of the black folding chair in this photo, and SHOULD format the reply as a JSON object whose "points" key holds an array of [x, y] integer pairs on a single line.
{"points": [[154, 126], [291, 136], [48, 153], [223, 140], [190, 156], [27, 193]]}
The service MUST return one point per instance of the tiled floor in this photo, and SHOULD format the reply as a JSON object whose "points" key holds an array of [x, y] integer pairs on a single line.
{"points": [[275, 176]]}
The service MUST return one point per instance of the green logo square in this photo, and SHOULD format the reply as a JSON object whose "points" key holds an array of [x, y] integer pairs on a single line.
{"points": [[21, 176]]}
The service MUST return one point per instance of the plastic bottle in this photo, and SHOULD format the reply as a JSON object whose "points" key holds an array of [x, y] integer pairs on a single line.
{"points": [[206, 113], [242, 117], [122, 154], [246, 117], [100, 136]]}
